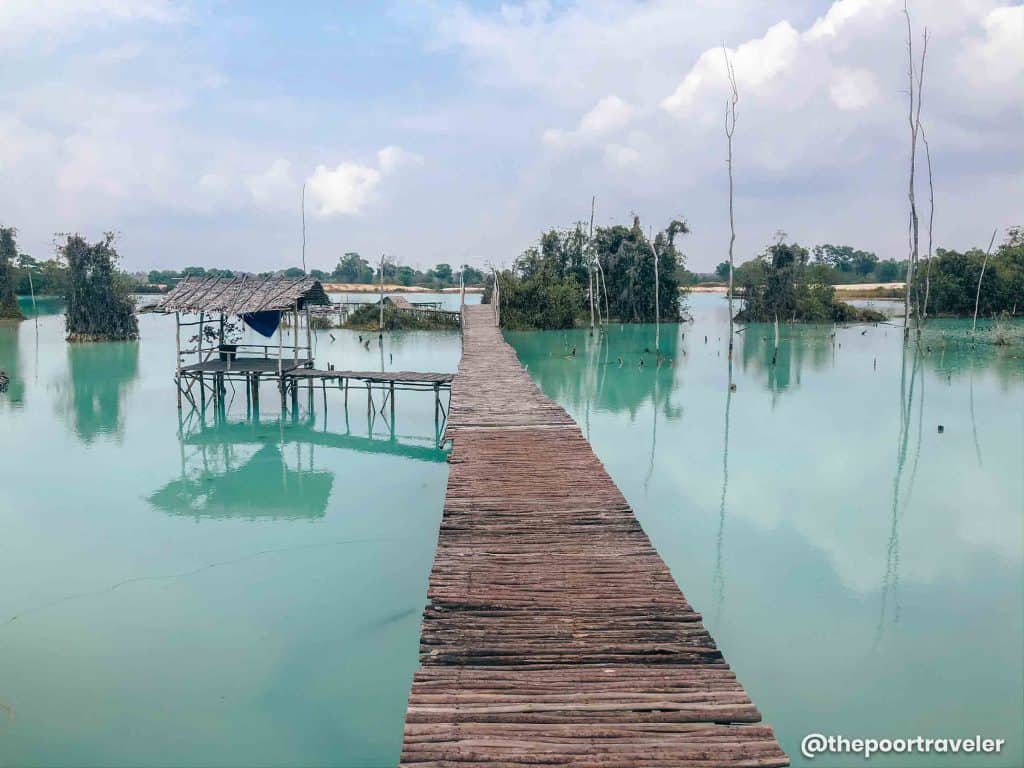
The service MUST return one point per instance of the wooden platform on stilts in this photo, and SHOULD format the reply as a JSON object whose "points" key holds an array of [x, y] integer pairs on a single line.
{"points": [[554, 633]]}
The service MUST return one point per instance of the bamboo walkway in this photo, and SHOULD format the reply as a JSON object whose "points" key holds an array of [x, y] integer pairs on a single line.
{"points": [[555, 634]]}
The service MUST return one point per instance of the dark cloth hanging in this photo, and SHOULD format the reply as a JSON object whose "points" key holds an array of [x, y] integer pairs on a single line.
{"points": [[264, 323]]}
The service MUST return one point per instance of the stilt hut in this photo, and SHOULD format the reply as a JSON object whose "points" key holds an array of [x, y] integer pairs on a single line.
{"points": [[265, 305]]}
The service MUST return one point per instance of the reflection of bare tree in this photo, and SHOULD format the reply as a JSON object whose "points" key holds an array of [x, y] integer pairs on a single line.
{"points": [[974, 423], [654, 434], [801, 346], [718, 579], [890, 580]]}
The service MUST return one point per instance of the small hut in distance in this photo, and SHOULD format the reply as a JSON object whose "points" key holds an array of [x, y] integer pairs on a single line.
{"points": [[209, 304]]}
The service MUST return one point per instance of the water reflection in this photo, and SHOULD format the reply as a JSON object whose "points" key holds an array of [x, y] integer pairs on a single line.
{"points": [[890, 597], [615, 370], [225, 480], [10, 363], [256, 469], [100, 376], [811, 346]]}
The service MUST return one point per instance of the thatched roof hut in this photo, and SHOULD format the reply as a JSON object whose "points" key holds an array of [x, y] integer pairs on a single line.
{"points": [[243, 295], [399, 302]]}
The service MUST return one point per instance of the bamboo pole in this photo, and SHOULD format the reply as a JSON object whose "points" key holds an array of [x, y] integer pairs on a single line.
{"points": [[177, 355], [380, 329], [590, 265]]}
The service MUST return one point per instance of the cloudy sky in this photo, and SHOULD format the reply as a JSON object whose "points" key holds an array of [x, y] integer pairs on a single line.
{"points": [[456, 131]]}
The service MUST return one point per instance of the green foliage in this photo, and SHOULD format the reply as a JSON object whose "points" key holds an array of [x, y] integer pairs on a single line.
{"points": [[954, 280], [442, 272], [722, 270], [367, 318], [547, 286], [472, 275], [8, 257], [781, 283], [99, 305], [626, 257], [352, 268], [48, 278]]}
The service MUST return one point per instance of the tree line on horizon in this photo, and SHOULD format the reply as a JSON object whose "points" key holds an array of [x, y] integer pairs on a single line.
{"points": [[548, 285], [351, 268]]}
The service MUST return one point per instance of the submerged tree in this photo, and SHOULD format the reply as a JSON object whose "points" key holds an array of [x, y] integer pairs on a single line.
{"points": [[99, 305], [781, 285], [8, 256], [625, 255]]}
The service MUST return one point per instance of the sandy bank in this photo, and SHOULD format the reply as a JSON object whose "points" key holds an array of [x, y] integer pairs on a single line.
{"points": [[391, 288]]}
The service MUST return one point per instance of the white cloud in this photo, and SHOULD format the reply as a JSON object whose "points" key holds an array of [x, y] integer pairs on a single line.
{"points": [[998, 56], [756, 63], [344, 190], [853, 89], [391, 159], [619, 156], [349, 187], [274, 186], [21, 19], [608, 116]]}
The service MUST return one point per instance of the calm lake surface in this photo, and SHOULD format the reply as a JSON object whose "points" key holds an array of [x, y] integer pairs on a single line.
{"points": [[249, 593]]}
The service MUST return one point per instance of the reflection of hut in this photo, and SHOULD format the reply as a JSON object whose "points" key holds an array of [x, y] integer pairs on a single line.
{"points": [[262, 487], [261, 303]]}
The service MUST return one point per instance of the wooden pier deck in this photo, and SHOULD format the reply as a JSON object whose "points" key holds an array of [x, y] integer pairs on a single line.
{"points": [[376, 377], [555, 634]]}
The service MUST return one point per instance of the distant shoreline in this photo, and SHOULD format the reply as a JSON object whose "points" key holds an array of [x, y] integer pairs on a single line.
{"points": [[392, 288], [848, 290]]}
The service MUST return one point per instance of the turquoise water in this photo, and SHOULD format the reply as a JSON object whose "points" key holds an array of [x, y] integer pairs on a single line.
{"points": [[447, 300], [249, 592], [243, 594], [863, 579]]}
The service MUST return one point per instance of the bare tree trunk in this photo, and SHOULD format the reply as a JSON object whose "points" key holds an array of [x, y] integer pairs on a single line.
{"points": [[590, 263], [604, 290], [914, 118], [977, 296], [380, 327], [303, 227], [931, 221], [775, 352], [657, 299], [730, 127]]}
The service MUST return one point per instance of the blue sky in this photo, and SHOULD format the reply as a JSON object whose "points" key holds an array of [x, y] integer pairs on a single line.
{"points": [[457, 131]]}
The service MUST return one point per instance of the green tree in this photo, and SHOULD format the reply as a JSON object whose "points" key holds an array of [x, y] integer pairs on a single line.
{"points": [[472, 275], [352, 268], [443, 272], [626, 258], [8, 257], [100, 307], [405, 275], [782, 284], [722, 271]]}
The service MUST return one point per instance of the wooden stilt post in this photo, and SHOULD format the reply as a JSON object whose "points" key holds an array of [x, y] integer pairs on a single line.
{"points": [[392, 404], [202, 380], [280, 360], [177, 354]]}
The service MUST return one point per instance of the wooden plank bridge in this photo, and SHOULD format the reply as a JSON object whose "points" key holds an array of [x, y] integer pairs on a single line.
{"points": [[554, 633]]}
